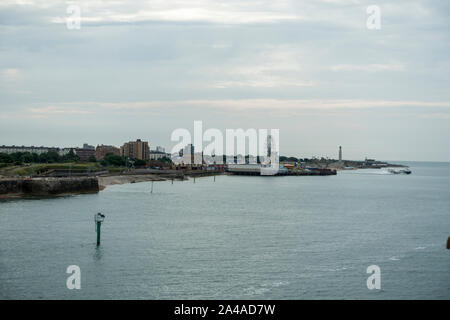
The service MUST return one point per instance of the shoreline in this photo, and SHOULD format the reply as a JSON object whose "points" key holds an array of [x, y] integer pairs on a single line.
{"points": [[21, 187], [24, 187], [105, 181]]}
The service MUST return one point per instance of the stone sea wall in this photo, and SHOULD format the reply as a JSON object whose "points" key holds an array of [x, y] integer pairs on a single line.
{"points": [[47, 186]]}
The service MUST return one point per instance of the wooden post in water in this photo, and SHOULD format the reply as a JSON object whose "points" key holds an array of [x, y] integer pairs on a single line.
{"points": [[214, 178], [448, 243], [194, 179]]}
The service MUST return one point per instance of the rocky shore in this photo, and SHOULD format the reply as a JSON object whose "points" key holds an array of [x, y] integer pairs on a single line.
{"points": [[25, 187]]}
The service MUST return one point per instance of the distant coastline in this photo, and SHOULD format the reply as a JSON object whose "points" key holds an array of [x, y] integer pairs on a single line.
{"points": [[56, 179]]}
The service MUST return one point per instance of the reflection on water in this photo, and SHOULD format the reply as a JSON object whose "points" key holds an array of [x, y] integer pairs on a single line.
{"points": [[97, 253]]}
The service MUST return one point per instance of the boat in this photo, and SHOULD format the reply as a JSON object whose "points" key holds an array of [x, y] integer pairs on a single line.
{"points": [[401, 171]]}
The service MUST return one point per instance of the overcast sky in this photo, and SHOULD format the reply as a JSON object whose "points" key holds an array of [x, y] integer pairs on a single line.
{"points": [[140, 69]]}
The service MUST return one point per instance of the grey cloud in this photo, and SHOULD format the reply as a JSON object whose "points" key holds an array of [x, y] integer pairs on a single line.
{"points": [[198, 59]]}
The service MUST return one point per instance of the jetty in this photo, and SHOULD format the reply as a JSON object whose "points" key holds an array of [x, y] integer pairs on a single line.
{"points": [[258, 170]]}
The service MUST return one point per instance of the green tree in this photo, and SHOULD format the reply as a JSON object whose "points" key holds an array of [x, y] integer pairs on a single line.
{"points": [[111, 159], [16, 158], [139, 162], [49, 157], [70, 157], [27, 157], [5, 158], [166, 160]]}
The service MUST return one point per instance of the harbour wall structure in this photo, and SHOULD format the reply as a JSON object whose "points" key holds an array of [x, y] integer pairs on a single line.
{"points": [[256, 170], [47, 186]]}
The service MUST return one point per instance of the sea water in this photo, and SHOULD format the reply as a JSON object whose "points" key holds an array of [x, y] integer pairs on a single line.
{"points": [[240, 237]]}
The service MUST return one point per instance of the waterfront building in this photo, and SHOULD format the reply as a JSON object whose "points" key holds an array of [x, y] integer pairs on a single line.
{"points": [[33, 149], [157, 155], [88, 146], [160, 149], [187, 154], [136, 149], [188, 150], [84, 153], [102, 150], [188, 157]]}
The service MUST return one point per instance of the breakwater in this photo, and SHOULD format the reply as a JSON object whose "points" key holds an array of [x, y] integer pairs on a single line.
{"points": [[19, 187], [309, 172]]}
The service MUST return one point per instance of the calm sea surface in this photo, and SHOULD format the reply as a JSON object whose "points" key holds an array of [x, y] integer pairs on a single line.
{"points": [[236, 238]]}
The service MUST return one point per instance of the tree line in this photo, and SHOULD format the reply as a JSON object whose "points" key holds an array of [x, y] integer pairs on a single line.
{"points": [[110, 159], [19, 158]]}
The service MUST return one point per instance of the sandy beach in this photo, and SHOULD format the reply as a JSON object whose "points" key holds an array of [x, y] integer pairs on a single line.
{"points": [[122, 179]]}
